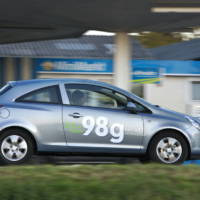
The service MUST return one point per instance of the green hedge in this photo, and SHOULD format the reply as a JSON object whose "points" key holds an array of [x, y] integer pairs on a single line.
{"points": [[100, 182]]}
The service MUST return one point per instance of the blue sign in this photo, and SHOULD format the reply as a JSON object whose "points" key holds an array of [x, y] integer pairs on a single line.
{"points": [[150, 71], [144, 73], [74, 65], [171, 67]]}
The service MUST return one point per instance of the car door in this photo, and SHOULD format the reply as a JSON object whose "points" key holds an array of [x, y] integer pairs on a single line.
{"points": [[96, 117]]}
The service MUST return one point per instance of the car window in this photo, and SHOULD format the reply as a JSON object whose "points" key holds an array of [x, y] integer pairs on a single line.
{"points": [[95, 96], [43, 95]]}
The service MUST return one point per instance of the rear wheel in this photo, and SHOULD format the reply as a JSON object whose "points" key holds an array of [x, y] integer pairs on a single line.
{"points": [[168, 148], [16, 147]]}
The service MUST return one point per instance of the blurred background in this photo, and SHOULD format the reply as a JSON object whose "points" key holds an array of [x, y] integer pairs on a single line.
{"points": [[164, 67], [149, 47]]}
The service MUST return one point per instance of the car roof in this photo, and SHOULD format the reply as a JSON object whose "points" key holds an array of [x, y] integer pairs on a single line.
{"points": [[65, 80], [47, 82], [52, 80], [60, 80]]}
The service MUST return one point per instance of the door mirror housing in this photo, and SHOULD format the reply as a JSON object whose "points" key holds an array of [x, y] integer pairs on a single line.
{"points": [[131, 107]]}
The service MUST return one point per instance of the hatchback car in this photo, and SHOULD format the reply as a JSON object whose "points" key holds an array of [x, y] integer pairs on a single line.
{"points": [[85, 117]]}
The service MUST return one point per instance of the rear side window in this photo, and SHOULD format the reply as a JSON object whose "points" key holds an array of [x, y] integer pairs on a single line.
{"points": [[44, 95], [4, 89]]}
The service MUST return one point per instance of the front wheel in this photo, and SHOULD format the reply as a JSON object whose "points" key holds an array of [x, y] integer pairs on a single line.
{"points": [[16, 147], [168, 148]]}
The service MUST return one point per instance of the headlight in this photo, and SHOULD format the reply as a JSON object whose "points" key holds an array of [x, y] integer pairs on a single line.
{"points": [[193, 122]]}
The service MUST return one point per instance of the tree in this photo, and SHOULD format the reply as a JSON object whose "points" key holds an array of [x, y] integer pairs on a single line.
{"points": [[154, 39]]}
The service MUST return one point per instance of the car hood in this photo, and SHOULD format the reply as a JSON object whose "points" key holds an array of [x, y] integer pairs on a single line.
{"points": [[197, 119], [171, 113]]}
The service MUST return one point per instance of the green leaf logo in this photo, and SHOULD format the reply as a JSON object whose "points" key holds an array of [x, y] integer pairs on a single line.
{"points": [[72, 127]]}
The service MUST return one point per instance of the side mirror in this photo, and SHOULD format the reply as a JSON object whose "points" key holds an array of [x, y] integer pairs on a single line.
{"points": [[131, 107]]}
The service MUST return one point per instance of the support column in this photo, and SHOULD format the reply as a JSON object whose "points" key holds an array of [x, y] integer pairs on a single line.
{"points": [[122, 61], [26, 68], [9, 70]]}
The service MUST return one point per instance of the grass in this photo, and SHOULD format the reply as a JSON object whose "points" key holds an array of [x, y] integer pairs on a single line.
{"points": [[100, 182]]}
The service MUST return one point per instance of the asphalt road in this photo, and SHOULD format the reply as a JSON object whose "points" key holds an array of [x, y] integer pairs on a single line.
{"points": [[62, 160]]}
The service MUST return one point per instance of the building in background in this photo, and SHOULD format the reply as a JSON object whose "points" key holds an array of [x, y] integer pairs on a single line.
{"points": [[89, 57], [168, 75], [179, 88], [84, 57]]}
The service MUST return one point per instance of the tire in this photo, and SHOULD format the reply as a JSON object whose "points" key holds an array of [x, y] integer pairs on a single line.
{"points": [[16, 147], [168, 148]]}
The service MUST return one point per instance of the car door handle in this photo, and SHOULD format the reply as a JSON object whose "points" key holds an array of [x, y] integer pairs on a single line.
{"points": [[76, 115]]}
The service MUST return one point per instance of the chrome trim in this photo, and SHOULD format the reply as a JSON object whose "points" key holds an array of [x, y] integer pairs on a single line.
{"points": [[105, 145]]}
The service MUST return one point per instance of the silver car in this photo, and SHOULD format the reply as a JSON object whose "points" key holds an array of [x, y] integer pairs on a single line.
{"points": [[84, 117]]}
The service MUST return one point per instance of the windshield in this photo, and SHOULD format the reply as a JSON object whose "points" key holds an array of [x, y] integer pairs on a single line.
{"points": [[5, 88]]}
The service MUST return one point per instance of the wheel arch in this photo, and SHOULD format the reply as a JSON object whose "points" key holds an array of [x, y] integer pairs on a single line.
{"points": [[167, 130], [23, 129]]}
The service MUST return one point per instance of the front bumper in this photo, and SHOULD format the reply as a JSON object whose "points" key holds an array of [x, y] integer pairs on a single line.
{"points": [[193, 135]]}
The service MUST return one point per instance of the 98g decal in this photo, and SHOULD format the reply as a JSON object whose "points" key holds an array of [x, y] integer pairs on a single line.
{"points": [[101, 128]]}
